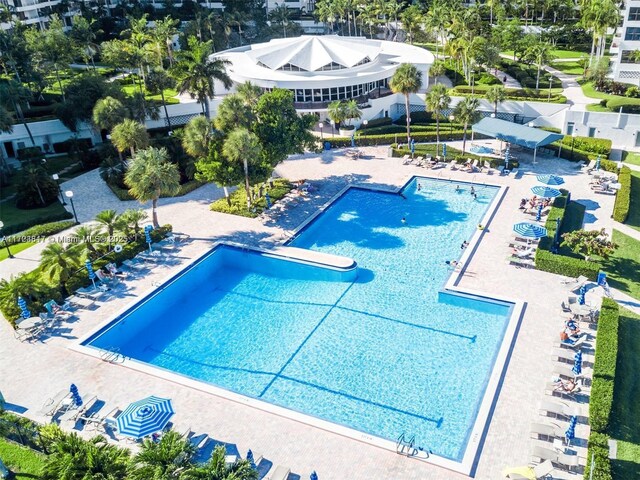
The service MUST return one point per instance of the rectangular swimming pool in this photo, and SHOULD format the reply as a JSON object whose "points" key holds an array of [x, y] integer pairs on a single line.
{"points": [[382, 350]]}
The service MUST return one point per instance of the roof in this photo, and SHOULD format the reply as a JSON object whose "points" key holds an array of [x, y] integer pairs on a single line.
{"points": [[515, 133]]}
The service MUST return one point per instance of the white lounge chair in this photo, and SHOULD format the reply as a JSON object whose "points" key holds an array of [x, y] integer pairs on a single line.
{"points": [[487, 165], [75, 413], [543, 453], [406, 160], [53, 404], [553, 390], [80, 301], [540, 471], [563, 371], [563, 355], [574, 343], [453, 165], [280, 473], [92, 293], [560, 409], [525, 253], [548, 432]]}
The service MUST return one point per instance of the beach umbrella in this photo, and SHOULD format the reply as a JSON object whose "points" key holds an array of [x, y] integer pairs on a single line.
{"points": [[550, 179], [529, 230], [353, 140], [597, 163], [577, 363], [250, 457], [581, 294], [539, 212], [92, 274], [570, 434], [546, 192], [145, 417], [75, 396], [507, 152], [412, 146], [24, 311], [444, 150], [313, 476], [147, 235], [267, 198]]}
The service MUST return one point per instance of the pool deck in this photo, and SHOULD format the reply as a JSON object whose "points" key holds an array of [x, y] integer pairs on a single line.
{"points": [[38, 370]]}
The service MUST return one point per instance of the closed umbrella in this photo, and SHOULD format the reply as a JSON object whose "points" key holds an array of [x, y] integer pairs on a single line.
{"points": [[92, 274], [412, 146], [147, 235], [570, 434], [539, 212], [313, 476], [529, 230], [444, 150], [577, 363], [24, 311], [250, 457], [550, 179], [507, 152], [581, 294], [546, 192], [145, 417], [597, 163], [267, 198], [75, 396]]}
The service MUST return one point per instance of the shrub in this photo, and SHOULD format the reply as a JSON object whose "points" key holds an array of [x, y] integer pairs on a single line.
{"points": [[628, 105], [29, 196], [377, 122], [39, 231], [19, 227], [124, 195], [238, 199], [623, 197], [29, 153], [632, 92], [487, 79], [67, 145], [417, 118], [598, 452], [601, 146]]}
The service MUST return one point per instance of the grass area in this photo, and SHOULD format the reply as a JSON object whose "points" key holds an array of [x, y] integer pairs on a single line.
{"points": [[631, 157], [589, 90], [625, 415], [12, 215], [24, 462], [169, 93], [596, 107], [633, 220], [558, 53], [623, 267], [15, 249], [570, 68]]}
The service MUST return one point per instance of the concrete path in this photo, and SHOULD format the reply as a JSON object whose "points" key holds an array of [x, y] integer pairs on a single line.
{"points": [[510, 83], [572, 89]]}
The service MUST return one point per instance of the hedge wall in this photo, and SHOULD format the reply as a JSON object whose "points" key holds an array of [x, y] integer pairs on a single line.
{"points": [[19, 227], [623, 197], [513, 94], [599, 452], [376, 122], [601, 146], [39, 232]]}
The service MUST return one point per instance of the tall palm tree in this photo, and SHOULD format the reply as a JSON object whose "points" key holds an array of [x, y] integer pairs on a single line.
{"points": [[406, 80], [250, 93], [467, 113], [108, 220], [540, 53], [218, 469], [162, 35], [150, 174], [196, 72], [281, 15], [496, 94], [437, 101], [59, 262], [233, 112], [157, 82], [241, 146], [13, 93], [108, 112], [197, 136], [597, 16], [163, 460], [131, 222], [129, 135], [35, 176], [437, 70]]}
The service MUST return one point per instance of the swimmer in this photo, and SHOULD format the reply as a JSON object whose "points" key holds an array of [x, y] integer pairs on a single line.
{"points": [[475, 197], [457, 188], [464, 245], [473, 191], [419, 187], [404, 220], [452, 263]]}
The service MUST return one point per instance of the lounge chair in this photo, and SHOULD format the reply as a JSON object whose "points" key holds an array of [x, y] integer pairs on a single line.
{"points": [[574, 343], [406, 160], [563, 355], [81, 301], [59, 311], [552, 389], [53, 404], [543, 454], [560, 409], [453, 165], [521, 262], [575, 283], [280, 473], [564, 372], [419, 161], [92, 293], [74, 414], [536, 472], [525, 253], [548, 432]]}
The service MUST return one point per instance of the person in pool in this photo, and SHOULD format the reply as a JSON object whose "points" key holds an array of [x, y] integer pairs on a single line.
{"points": [[452, 263], [464, 245], [457, 188], [403, 220], [473, 190]]}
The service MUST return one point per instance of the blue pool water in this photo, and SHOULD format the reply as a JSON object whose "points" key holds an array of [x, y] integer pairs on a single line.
{"points": [[384, 353]]}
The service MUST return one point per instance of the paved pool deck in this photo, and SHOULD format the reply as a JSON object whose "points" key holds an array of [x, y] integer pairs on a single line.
{"points": [[32, 372]]}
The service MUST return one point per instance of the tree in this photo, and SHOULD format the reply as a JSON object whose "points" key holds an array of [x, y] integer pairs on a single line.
{"points": [[12, 93], [162, 34], [109, 221], [242, 146], [249, 93], [59, 262], [216, 167], [197, 137], [85, 238], [218, 469], [589, 243], [233, 112], [108, 112], [437, 70], [157, 82], [496, 94], [540, 53], [35, 178], [597, 16], [280, 15], [406, 80], [129, 134], [84, 33], [412, 19], [437, 101], [336, 111], [150, 174], [131, 222], [466, 112], [196, 72], [163, 460]]}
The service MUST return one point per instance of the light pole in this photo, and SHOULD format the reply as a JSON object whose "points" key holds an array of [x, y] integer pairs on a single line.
{"points": [[451, 119], [69, 195], [320, 125], [473, 81], [6, 244], [56, 178], [333, 126], [550, 83]]}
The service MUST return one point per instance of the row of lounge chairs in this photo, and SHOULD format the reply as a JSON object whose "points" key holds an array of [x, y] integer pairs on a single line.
{"points": [[523, 251]]}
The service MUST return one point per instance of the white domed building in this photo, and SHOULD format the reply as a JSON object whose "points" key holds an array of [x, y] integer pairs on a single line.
{"points": [[321, 69]]}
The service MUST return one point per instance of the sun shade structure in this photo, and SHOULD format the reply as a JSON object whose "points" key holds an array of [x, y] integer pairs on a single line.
{"points": [[515, 133], [145, 417]]}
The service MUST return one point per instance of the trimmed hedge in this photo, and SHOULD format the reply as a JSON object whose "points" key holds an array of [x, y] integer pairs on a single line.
{"points": [[512, 94], [376, 122], [599, 451], [238, 199], [417, 118], [185, 188], [39, 232], [629, 105], [19, 227], [600, 146], [623, 197]]}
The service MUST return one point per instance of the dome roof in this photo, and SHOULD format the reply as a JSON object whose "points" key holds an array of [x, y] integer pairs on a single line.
{"points": [[313, 53]]}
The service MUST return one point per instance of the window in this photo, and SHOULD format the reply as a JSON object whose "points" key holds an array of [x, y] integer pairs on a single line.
{"points": [[334, 93], [299, 95], [260, 64], [363, 61], [325, 95], [592, 132], [629, 57], [632, 33], [317, 95], [570, 127], [634, 13], [342, 93], [307, 95], [332, 66], [637, 139], [290, 67]]}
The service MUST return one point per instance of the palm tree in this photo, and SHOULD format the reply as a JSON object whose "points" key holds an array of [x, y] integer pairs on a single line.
{"points": [[109, 220], [281, 15], [85, 237], [597, 16], [437, 101], [496, 94], [196, 72], [129, 134], [540, 53], [249, 93], [35, 176], [162, 34], [467, 113], [437, 70], [150, 175], [162, 460], [218, 469], [240, 146], [131, 222], [336, 111], [59, 262], [412, 19], [108, 112], [157, 82], [20, 285], [197, 136], [351, 111], [406, 80], [13, 93], [233, 112]]}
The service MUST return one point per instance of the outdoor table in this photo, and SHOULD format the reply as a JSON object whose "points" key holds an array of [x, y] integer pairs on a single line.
{"points": [[29, 323], [581, 310]]}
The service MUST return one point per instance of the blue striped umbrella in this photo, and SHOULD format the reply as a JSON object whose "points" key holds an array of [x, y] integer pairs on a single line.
{"points": [[250, 457], [313, 476], [147, 235], [550, 179], [23, 307], [539, 212], [581, 294], [577, 363], [598, 163], [507, 151], [412, 146], [573, 421], [145, 417], [529, 230], [444, 150], [267, 199], [545, 192], [92, 274], [570, 434]]}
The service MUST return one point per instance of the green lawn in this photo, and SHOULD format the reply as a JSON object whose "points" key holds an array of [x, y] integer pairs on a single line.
{"points": [[24, 462], [590, 91], [11, 215], [633, 220], [596, 107], [623, 267], [130, 89], [15, 249], [631, 157], [558, 53], [626, 409], [570, 68]]}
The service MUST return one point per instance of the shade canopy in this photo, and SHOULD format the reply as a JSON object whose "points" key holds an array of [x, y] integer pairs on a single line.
{"points": [[515, 133], [550, 179], [145, 417], [546, 192], [529, 230]]}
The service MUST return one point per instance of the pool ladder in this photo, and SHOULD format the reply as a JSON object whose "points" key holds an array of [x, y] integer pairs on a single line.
{"points": [[112, 355], [406, 447]]}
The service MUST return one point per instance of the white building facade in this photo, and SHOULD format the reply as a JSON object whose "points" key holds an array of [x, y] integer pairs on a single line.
{"points": [[626, 68]]}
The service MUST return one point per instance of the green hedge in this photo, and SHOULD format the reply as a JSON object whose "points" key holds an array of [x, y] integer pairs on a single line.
{"points": [[513, 94], [124, 195], [20, 226], [445, 128], [377, 122], [387, 139], [598, 452], [39, 231], [629, 105], [601, 146], [604, 368], [417, 118], [623, 197]]}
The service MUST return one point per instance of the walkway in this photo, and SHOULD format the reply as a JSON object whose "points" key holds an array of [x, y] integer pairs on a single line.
{"points": [[572, 89], [510, 83]]}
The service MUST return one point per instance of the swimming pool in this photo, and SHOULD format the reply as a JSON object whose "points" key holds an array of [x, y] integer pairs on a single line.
{"points": [[383, 349]]}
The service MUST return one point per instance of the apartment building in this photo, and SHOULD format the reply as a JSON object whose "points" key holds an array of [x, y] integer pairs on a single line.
{"points": [[626, 66]]}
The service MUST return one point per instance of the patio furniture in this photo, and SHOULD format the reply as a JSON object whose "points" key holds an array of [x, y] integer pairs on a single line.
{"points": [[92, 293], [540, 471], [548, 432], [280, 473], [574, 343], [563, 459], [560, 409], [74, 414], [144, 417], [81, 301], [53, 404]]}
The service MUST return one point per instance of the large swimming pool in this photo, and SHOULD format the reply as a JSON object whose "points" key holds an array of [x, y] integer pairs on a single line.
{"points": [[382, 350]]}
